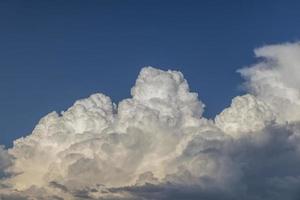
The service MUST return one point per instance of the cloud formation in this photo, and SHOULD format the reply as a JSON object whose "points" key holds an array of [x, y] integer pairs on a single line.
{"points": [[157, 144]]}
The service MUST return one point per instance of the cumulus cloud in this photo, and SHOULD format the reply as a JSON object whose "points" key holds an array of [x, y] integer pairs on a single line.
{"points": [[157, 144], [276, 80]]}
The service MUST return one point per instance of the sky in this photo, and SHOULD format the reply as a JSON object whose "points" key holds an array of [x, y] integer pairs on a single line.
{"points": [[149, 100], [55, 52]]}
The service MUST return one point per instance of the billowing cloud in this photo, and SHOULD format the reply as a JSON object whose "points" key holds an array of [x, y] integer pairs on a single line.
{"points": [[157, 145], [276, 80]]}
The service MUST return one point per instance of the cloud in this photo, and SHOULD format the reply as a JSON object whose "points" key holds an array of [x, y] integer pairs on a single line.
{"points": [[5, 161], [157, 144], [275, 80], [246, 114]]}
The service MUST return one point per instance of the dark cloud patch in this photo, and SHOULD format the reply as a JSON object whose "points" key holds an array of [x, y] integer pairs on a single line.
{"points": [[170, 191], [269, 162], [13, 197], [59, 186], [5, 162], [266, 166]]}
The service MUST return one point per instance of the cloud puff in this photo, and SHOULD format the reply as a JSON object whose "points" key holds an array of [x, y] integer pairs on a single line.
{"points": [[157, 145], [245, 115], [275, 80]]}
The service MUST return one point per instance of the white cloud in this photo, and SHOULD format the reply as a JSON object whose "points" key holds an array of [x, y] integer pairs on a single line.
{"points": [[275, 79], [157, 145], [246, 114]]}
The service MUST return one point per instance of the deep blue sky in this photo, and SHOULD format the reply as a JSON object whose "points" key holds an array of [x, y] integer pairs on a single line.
{"points": [[55, 52]]}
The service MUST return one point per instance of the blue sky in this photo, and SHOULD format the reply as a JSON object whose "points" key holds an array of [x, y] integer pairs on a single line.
{"points": [[55, 52]]}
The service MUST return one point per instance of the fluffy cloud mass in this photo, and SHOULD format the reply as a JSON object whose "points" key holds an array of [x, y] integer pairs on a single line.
{"points": [[157, 145]]}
